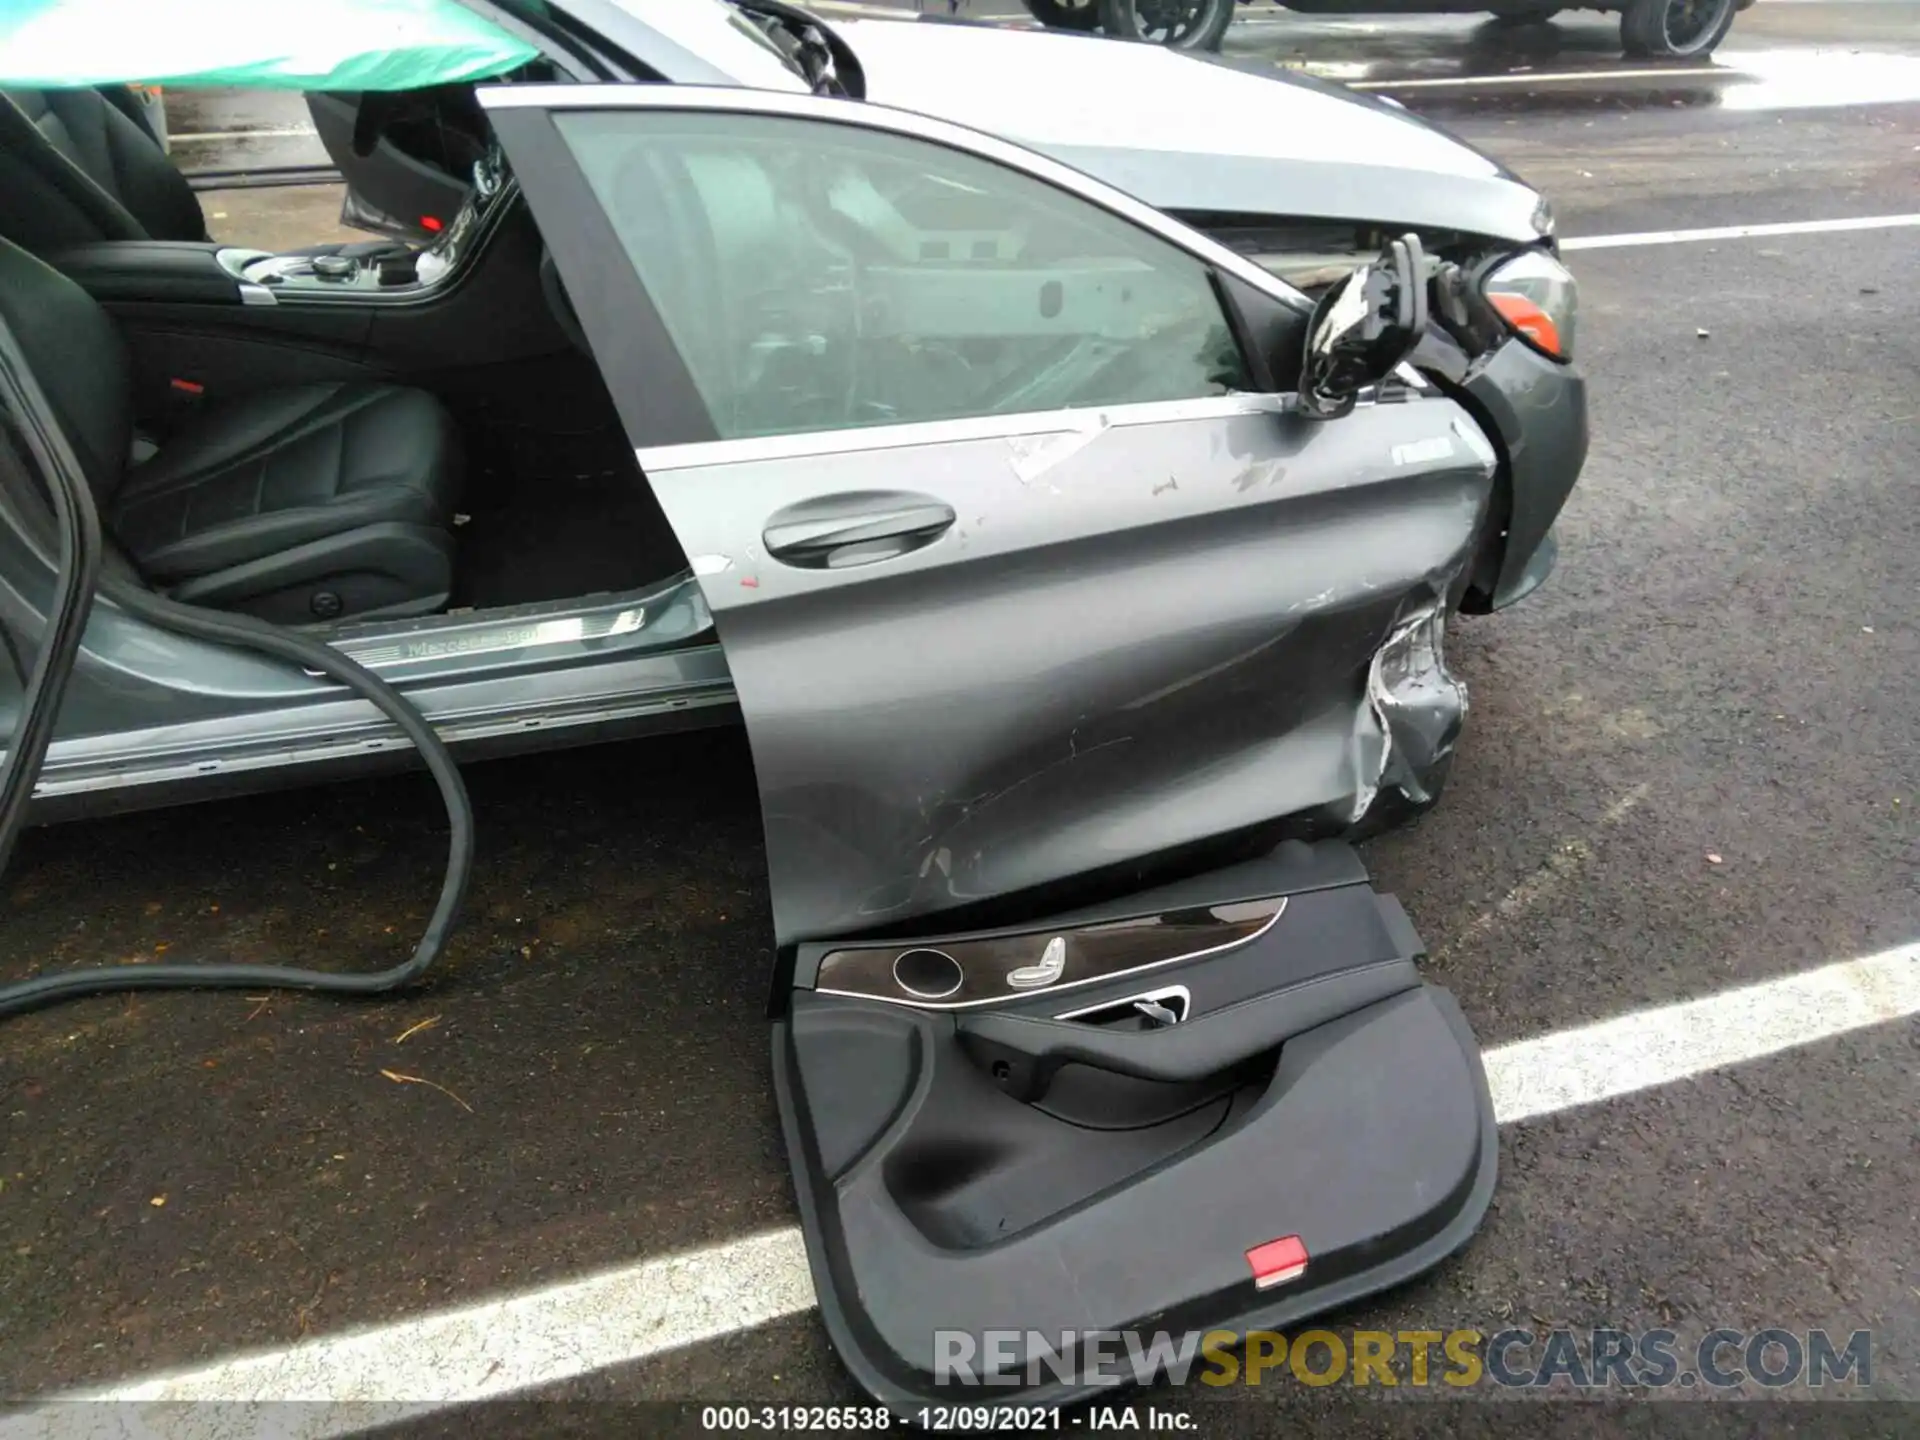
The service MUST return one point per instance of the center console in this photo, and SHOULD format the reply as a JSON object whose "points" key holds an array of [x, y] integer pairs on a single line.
{"points": [[369, 273], [466, 316], [376, 269]]}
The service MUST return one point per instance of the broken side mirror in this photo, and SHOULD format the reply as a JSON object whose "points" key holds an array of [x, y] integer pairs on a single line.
{"points": [[1363, 329]]}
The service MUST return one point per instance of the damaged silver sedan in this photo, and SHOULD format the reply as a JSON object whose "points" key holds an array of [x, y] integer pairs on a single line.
{"points": [[1072, 511], [992, 447]]}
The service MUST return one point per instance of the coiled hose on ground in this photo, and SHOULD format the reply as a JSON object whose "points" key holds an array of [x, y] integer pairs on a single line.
{"points": [[80, 581]]}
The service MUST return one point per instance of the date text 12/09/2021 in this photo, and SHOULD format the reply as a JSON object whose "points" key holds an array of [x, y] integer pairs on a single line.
{"points": [[935, 1418], [1598, 1360]]}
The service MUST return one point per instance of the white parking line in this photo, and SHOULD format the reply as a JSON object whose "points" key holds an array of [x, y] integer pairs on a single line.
{"points": [[1540, 77], [201, 137], [545, 1336], [1650, 1048], [868, 12], [1561, 868], [934, 8], [1738, 232], [502, 1346]]}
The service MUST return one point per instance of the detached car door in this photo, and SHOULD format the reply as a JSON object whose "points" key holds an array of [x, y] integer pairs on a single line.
{"points": [[1029, 572]]}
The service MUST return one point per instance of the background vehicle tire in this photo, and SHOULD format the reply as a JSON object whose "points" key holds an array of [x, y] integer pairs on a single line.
{"points": [[1065, 14], [1176, 24], [1679, 29]]}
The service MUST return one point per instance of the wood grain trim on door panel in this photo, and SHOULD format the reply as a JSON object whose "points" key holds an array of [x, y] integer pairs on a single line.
{"points": [[953, 975]]}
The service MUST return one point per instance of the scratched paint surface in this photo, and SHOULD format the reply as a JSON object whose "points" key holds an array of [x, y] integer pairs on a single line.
{"points": [[1134, 636]]}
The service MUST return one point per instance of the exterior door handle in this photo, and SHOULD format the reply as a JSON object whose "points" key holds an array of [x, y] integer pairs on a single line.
{"points": [[831, 532]]}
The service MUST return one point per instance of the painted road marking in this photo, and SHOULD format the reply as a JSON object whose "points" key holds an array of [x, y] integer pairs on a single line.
{"points": [[877, 12], [545, 1336], [1650, 1048], [1542, 77], [1738, 232], [1562, 866], [285, 132], [494, 1348], [936, 9]]}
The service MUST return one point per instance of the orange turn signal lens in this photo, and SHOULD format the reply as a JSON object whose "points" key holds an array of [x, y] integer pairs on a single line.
{"points": [[1536, 297], [1529, 319]]}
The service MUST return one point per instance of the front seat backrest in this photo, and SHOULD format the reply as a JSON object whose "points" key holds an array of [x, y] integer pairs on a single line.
{"points": [[74, 169], [74, 350]]}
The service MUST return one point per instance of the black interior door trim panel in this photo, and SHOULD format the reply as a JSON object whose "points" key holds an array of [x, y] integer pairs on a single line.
{"points": [[998, 1185]]}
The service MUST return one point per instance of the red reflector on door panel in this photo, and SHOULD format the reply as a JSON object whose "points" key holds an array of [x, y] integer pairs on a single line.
{"points": [[187, 387], [431, 223], [1277, 1261]]}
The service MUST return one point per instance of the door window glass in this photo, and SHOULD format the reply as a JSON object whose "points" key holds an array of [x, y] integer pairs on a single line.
{"points": [[817, 276]]}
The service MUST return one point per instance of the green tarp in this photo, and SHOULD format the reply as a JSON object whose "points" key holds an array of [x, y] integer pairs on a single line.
{"points": [[282, 44]]}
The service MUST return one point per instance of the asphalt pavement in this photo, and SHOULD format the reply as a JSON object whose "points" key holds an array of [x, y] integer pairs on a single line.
{"points": [[1693, 762]]}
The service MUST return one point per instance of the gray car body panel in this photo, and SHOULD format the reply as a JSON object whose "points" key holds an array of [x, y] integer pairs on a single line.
{"points": [[1539, 409], [1137, 636], [152, 718], [1161, 630], [1178, 131], [690, 42], [1191, 134], [1148, 625]]}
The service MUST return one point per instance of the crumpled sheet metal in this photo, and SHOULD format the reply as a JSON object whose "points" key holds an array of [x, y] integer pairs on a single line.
{"points": [[1415, 710]]}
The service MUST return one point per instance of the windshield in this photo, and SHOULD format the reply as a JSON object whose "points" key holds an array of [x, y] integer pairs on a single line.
{"points": [[800, 39], [705, 42], [761, 44], [758, 34], [315, 45]]}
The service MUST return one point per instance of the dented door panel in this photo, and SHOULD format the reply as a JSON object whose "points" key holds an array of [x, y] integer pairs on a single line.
{"points": [[1144, 627]]}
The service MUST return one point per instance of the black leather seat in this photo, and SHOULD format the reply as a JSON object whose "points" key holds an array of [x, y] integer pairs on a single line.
{"points": [[311, 503], [76, 169]]}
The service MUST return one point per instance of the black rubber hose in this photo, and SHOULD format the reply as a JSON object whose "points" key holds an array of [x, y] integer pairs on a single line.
{"points": [[79, 578]]}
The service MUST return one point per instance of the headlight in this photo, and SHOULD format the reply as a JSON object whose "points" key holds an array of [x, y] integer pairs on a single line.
{"points": [[1537, 298]]}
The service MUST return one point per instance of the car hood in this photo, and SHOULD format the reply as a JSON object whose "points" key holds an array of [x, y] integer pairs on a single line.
{"points": [[1187, 133]]}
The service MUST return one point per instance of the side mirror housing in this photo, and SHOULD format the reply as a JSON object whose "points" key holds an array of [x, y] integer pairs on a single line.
{"points": [[1363, 329]]}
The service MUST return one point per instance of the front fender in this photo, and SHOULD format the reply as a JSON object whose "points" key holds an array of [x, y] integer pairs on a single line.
{"points": [[1539, 408]]}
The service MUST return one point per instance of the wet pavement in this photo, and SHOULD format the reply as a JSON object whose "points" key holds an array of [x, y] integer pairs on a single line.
{"points": [[265, 180], [226, 130], [1727, 664]]}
